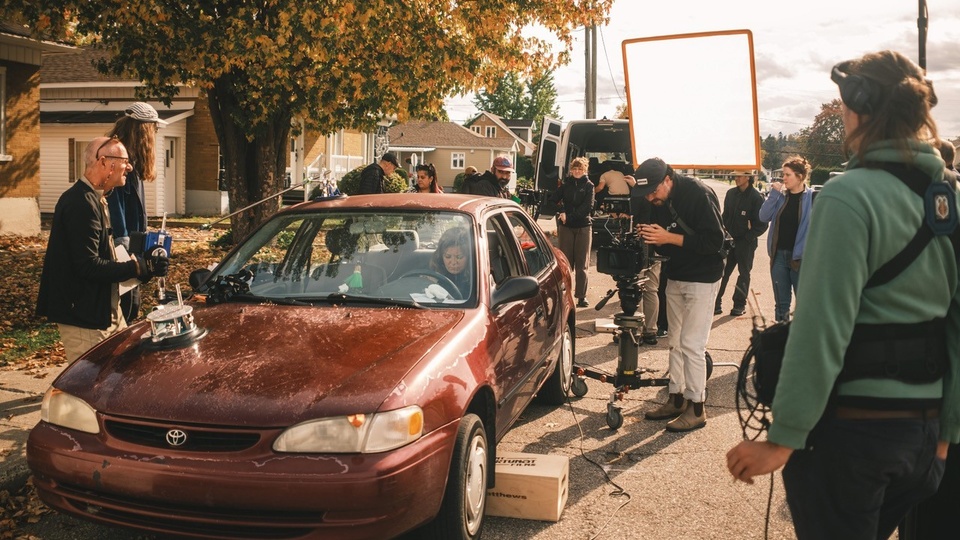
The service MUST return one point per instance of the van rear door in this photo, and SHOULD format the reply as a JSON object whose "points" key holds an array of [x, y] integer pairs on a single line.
{"points": [[548, 155]]}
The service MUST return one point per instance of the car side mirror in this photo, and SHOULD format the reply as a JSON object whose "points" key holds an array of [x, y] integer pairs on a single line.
{"points": [[198, 278], [514, 289]]}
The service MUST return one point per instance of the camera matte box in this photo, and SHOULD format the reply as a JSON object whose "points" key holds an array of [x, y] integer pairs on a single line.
{"points": [[529, 486]]}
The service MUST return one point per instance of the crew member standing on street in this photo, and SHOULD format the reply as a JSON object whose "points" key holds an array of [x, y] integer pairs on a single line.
{"points": [[869, 390], [741, 217], [492, 183], [79, 283], [574, 232], [686, 229], [372, 177]]}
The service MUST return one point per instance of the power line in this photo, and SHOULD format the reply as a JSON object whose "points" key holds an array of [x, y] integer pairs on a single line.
{"points": [[607, 58]]}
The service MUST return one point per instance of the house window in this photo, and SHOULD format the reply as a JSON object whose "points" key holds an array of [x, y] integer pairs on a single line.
{"points": [[75, 158], [3, 116], [458, 160], [476, 129], [491, 132]]}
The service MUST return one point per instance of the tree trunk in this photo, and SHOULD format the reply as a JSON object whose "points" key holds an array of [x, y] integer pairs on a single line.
{"points": [[254, 159]]}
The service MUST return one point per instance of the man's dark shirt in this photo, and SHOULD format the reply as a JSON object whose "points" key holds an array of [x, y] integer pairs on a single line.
{"points": [[485, 184], [371, 179], [741, 213], [698, 260]]}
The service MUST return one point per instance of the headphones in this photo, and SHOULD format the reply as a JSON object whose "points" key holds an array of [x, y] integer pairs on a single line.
{"points": [[858, 93]]}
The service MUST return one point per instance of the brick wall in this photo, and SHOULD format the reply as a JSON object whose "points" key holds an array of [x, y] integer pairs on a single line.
{"points": [[20, 177], [203, 149]]}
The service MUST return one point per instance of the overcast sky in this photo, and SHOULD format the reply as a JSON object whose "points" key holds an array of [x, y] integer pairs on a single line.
{"points": [[795, 45]]}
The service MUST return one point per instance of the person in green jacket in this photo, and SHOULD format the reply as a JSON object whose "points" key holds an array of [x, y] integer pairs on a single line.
{"points": [[859, 448]]}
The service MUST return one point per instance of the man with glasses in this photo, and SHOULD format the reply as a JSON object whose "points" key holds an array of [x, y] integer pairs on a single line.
{"points": [[79, 284]]}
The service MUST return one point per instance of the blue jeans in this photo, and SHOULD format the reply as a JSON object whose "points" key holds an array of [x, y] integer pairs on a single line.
{"points": [[858, 478], [784, 281]]}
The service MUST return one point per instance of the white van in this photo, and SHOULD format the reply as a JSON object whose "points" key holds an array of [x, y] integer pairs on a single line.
{"points": [[604, 142], [598, 140]]}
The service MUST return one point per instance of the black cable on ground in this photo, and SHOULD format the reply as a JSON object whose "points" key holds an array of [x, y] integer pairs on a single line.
{"points": [[617, 492]]}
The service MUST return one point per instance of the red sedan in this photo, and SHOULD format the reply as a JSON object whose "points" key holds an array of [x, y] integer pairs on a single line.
{"points": [[345, 372]]}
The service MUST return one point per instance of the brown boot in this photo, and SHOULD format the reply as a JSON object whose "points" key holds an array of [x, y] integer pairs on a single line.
{"points": [[673, 408], [695, 417]]}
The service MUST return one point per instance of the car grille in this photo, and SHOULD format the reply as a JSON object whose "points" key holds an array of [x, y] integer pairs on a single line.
{"points": [[197, 439], [189, 520]]}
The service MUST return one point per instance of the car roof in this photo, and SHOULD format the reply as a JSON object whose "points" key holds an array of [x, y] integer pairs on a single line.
{"points": [[471, 204]]}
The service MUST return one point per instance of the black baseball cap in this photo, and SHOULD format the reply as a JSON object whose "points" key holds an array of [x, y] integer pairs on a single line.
{"points": [[390, 158], [648, 176]]}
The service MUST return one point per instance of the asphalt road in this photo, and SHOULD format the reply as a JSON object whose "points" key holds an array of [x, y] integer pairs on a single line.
{"points": [[636, 482]]}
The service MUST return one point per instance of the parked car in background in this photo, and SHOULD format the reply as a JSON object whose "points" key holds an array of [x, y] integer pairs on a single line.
{"points": [[331, 378]]}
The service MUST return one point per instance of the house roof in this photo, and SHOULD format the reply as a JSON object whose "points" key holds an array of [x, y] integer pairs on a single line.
{"points": [[525, 124], [18, 35], [497, 120], [76, 67], [101, 116], [440, 135]]}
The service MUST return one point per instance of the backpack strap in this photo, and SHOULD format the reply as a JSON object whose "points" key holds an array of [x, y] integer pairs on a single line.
{"points": [[920, 184]]}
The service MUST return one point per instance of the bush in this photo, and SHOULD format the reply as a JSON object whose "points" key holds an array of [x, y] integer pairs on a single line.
{"points": [[819, 175], [458, 182], [395, 183], [524, 183]]}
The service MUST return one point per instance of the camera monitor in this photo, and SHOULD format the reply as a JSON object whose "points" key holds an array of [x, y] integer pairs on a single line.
{"points": [[692, 99]]}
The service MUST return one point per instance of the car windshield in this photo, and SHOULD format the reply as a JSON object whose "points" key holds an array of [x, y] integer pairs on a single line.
{"points": [[423, 259]]}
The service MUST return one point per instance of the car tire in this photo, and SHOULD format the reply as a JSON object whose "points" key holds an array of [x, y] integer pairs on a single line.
{"points": [[465, 499], [556, 388]]}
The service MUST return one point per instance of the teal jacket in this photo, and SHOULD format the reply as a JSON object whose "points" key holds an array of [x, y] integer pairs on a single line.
{"points": [[861, 220]]}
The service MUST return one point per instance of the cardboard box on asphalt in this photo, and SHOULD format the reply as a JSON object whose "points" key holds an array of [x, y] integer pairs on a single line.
{"points": [[529, 486]]}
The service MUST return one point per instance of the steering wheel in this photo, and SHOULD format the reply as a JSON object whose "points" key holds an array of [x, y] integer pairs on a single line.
{"points": [[446, 282]]}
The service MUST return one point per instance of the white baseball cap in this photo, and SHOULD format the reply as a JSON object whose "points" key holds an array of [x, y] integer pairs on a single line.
{"points": [[143, 112]]}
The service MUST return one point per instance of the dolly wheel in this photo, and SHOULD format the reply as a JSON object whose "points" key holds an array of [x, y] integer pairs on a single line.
{"points": [[614, 416], [578, 386]]}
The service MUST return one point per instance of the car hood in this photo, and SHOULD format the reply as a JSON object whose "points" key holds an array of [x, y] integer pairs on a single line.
{"points": [[260, 365]]}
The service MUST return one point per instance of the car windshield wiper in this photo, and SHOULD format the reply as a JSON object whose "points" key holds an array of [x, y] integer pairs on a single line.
{"points": [[342, 298], [247, 297]]}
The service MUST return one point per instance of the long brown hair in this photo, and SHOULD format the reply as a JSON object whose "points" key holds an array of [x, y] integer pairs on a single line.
{"points": [[140, 140], [432, 174], [905, 98]]}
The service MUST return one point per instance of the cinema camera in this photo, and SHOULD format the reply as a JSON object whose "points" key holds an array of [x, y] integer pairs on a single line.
{"points": [[625, 258]]}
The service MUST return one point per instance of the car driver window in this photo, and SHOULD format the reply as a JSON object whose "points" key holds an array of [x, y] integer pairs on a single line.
{"points": [[502, 258]]}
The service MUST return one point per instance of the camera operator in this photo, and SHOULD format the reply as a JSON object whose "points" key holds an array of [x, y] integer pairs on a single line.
{"points": [[642, 212], [686, 229], [79, 284], [867, 398]]}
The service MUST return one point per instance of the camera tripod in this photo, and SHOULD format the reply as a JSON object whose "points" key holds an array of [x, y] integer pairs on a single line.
{"points": [[629, 375]]}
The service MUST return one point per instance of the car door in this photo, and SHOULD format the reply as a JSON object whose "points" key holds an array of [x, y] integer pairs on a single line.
{"points": [[520, 325], [549, 158]]}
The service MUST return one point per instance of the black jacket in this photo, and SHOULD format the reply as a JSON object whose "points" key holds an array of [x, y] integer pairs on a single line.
{"points": [[575, 198], [485, 184], [741, 213], [698, 260], [78, 268], [371, 179]]}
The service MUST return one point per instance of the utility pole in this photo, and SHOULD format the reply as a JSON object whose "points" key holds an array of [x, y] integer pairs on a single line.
{"points": [[590, 71]]}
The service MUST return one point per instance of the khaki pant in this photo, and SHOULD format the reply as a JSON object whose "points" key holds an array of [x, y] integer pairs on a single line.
{"points": [[77, 341]]}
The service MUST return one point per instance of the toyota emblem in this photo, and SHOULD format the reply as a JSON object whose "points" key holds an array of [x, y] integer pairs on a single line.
{"points": [[176, 437]]}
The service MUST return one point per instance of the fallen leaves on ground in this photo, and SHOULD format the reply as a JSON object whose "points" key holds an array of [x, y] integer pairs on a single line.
{"points": [[19, 509], [21, 262]]}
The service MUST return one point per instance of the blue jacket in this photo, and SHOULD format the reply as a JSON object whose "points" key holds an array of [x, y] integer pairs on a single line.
{"points": [[770, 212]]}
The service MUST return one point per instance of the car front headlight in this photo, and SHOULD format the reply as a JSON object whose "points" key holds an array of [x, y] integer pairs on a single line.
{"points": [[62, 409], [364, 433]]}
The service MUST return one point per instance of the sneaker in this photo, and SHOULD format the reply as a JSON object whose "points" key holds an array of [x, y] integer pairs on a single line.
{"points": [[718, 310], [673, 408], [661, 333], [689, 420], [649, 339], [583, 303], [737, 311]]}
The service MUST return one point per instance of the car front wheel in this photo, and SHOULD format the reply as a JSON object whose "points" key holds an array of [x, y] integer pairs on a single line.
{"points": [[465, 500]]}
